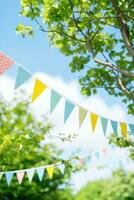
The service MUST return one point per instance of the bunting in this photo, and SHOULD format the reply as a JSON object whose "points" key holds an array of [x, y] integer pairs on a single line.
{"points": [[50, 171], [40, 172], [114, 125], [23, 76], [94, 119], [82, 115], [131, 126], [55, 98], [39, 87], [5, 63], [104, 122], [62, 168], [9, 176], [30, 174], [124, 129], [20, 176], [68, 109]]}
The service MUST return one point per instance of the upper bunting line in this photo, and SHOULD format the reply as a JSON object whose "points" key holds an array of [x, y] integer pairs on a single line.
{"points": [[123, 125]]}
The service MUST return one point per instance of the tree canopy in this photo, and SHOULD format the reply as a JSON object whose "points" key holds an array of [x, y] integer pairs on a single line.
{"points": [[119, 187], [98, 35], [21, 135]]}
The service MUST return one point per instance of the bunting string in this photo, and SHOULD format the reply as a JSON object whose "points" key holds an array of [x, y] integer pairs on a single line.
{"points": [[50, 168], [23, 75]]}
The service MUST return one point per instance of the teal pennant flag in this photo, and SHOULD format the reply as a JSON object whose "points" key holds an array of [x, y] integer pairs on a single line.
{"points": [[55, 98], [68, 109], [40, 172], [131, 126], [23, 76], [9, 176], [104, 122], [114, 126]]}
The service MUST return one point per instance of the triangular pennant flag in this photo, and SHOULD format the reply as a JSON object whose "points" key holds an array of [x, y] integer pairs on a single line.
{"points": [[82, 115], [81, 160], [61, 168], [97, 154], [5, 63], [40, 172], [50, 171], [1, 174], [20, 176], [104, 150], [9, 176], [94, 119], [104, 122], [55, 98], [22, 76], [68, 109], [114, 125], [124, 129], [30, 174], [39, 87], [131, 126]]}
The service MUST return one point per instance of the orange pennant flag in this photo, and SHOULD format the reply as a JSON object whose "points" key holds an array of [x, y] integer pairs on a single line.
{"points": [[94, 119], [39, 87], [124, 129]]}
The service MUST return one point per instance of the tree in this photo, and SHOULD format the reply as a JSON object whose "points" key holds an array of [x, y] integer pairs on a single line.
{"points": [[21, 135], [119, 187], [98, 35]]}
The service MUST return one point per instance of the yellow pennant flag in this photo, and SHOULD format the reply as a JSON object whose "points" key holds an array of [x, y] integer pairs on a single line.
{"points": [[124, 129], [39, 87], [50, 171], [94, 119]]}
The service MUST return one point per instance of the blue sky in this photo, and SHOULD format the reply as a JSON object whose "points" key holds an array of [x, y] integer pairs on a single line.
{"points": [[36, 53]]}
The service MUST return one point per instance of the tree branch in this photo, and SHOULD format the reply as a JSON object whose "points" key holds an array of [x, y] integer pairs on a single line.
{"points": [[124, 27]]}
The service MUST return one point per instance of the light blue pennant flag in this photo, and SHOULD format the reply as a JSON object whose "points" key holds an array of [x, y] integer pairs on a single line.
{"points": [[131, 126], [9, 176], [62, 168], [114, 126], [40, 172], [22, 76], [55, 98], [30, 174], [68, 109], [104, 122]]}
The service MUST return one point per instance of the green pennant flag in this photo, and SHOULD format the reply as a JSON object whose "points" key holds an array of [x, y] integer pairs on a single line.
{"points": [[55, 98], [82, 115], [104, 122]]}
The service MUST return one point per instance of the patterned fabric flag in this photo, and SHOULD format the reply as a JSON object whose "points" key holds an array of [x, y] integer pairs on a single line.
{"points": [[30, 174], [94, 119], [104, 122], [22, 76], [55, 98], [124, 129], [50, 171], [131, 126], [68, 109], [61, 168], [39, 87], [20, 176], [114, 125], [82, 115], [9, 176], [5, 63], [40, 172]]}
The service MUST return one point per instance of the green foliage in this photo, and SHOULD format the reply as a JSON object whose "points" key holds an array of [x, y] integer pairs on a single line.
{"points": [[99, 37], [119, 187], [21, 147]]}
